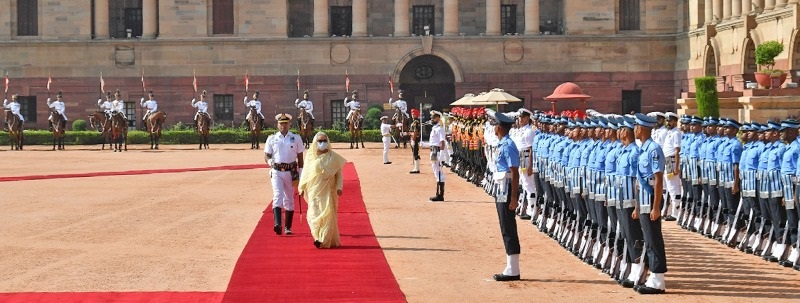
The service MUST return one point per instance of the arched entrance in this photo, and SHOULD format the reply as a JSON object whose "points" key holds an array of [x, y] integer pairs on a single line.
{"points": [[749, 66], [428, 79], [711, 62]]}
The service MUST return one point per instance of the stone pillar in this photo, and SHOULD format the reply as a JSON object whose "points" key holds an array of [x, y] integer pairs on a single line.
{"points": [[149, 20], [321, 18], [727, 9], [401, 26], [709, 12], [359, 18], [101, 19], [769, 5], [492, 17], [717, 11], [450, 18], [532, 17], [781, 3], [794, 1], [737, 9], [746, 5]]}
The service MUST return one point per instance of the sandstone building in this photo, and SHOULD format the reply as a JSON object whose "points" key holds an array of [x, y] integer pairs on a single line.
{"points": [[628, 54]]}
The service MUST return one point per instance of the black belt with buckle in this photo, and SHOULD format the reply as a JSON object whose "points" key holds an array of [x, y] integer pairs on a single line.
{"points": [[285, 166]]}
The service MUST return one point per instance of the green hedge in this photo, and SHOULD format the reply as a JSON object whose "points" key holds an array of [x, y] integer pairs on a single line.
{"points": [[707, 96], [227, 136]]}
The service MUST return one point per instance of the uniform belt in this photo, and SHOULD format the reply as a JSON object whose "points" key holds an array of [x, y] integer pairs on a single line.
{"points": [[387, 135], [285, 166]]}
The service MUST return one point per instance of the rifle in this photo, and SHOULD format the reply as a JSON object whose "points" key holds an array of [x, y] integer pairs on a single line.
{"points": [[732, 232], [749, 236], [716, 225], [779, 247], [639, 267]]}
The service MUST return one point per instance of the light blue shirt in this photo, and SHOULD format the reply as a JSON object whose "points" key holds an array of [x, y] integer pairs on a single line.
{"points": [[508, 155]]}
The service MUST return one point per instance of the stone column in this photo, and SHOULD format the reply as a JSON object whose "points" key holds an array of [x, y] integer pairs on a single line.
{"points": [[321, 18], [532, 17], [794, 1], [726, 9], [769, 5], [450, 18], [401, 26], [781, 3], [492, 17], [359, 18], [101, 19], [737, 9], [746, 5], [717, 11], [149, 20], [709, 12]]}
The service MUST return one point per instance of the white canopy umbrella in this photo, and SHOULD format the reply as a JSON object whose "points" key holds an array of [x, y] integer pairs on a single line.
{"points": [[464, 101], [494, 97]]}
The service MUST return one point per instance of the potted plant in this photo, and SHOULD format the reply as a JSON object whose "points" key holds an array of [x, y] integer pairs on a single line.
{"points": [[765, 58]]}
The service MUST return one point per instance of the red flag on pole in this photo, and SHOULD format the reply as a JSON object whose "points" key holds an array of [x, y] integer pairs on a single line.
{"points": [[346, 81], [6, 82], [102, 83], [194, 83], [246, 82], [391, 85], [49, 81]]}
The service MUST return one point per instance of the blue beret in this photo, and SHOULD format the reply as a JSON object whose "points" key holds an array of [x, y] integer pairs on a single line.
{"points": [[602, 122], [645, 120], [696, 120], [790, 123], [772, 125], [745, 128], [502, 118], [571, 125], [612, 123], [733, 123]]}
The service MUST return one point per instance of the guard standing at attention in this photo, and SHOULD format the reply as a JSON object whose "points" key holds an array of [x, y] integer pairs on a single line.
{"points": [[283, 152]]}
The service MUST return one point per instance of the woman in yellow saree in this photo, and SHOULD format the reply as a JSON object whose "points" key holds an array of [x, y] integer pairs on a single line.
{"points": [[321, 185]]}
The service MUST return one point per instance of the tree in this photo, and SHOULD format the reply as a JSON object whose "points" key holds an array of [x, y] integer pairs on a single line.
{"points": [[372, 120], [707, 96]]}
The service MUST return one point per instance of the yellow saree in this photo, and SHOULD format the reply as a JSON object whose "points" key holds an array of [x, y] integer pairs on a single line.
{"points": [[322, 177]]}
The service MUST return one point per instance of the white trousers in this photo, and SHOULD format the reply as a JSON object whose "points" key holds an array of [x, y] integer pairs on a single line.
{"points": [[386, 142], [673, 185], [282, 189], [526, 181], [438, 173]]}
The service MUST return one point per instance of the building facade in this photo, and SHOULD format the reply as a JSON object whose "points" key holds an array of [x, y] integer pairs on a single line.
{"points": [[630, 55]]}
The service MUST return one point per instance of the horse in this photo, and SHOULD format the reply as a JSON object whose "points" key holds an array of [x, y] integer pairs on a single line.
{"points": [[306, 127], [256, 122], [355, 129], [99, 123], [15, 131], [203, 125], [154, 124], [402, 123], [119, 132], [58, 129]]}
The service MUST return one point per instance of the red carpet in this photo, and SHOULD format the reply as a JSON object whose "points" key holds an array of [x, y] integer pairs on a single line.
{"points": [[123, 297], [131, 172], [276, 268]]}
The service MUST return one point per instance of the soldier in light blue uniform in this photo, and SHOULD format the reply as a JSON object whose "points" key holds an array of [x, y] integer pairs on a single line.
{"points": [[730, 170], [586, 174], [597, 164], [507, 176], [686, 186], [650, 175], [788, 170], [611, 188], [764, 185], [777, 210], [695, 166], [626, 169], [710, 176], [748, 166]]}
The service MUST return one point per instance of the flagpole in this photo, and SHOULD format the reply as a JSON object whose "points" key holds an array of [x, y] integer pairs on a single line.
{"points": [[246, 83], [6, 89], [49, 80], [297, 92], [194, 83]]}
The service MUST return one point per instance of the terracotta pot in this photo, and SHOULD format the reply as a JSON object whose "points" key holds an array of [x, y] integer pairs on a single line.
{"points": [[768, 81]]}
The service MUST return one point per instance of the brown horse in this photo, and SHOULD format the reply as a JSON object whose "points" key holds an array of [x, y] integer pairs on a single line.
{"points": [[119, 132], [59, 124], [306, 127], [256, 122], [154, 123], [99, 123], [203, 125], [355, 129], [15, 131], [401, 130]]}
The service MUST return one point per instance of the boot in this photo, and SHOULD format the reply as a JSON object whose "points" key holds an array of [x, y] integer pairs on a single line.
{"points": [[439, 192], [289, 217], [416, 168], [276, 216]]}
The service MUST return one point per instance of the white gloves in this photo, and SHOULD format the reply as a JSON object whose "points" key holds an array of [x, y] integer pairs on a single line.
{"points": [[48, 100], [271, 162], [245, 99], [99, 100], [193, 100], [141, 100]]}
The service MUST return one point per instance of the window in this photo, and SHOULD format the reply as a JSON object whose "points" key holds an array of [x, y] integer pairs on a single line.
{"points": [[27, 107], [28, 18], [508, 19], [629, 15], [631, 101], [338, 113], [125, 15], [341, 20], [223, 107], [423, 16], [130, 113], [223, 17]]}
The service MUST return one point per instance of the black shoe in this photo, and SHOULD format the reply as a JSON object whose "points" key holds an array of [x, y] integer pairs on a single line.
{"points": [[504, 278], [772, 259], [796, 267], [317, 243], [627, 283], [288, 231], [414, 172], [524, 217], [670, 219], [387, 162], [650, 291], [277, 229], [786, 263], [436, 198]]}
